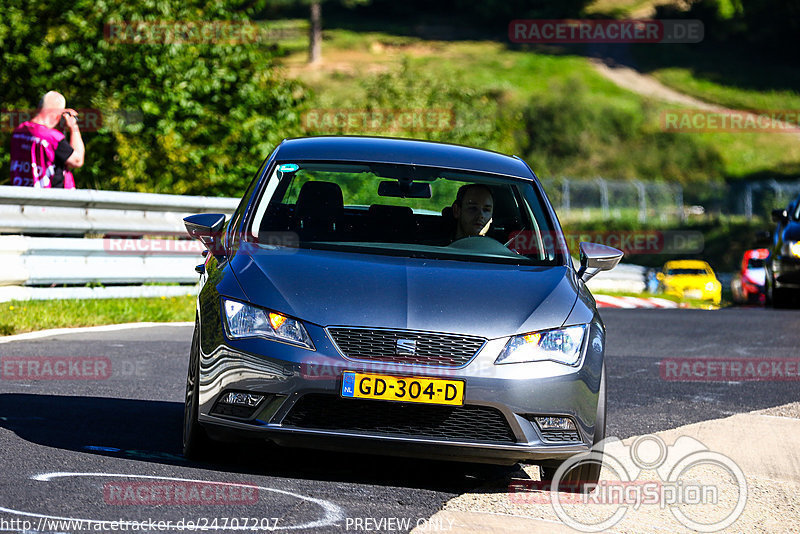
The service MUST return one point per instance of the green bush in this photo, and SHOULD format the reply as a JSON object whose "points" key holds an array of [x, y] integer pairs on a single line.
{"points": [[573, 132]]}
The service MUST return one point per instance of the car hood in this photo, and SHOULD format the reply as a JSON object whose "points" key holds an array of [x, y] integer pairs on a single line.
{"points": [[349, 289]]}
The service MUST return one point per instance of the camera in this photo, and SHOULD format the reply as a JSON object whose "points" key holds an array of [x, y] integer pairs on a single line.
{"points": [[62, 122]]}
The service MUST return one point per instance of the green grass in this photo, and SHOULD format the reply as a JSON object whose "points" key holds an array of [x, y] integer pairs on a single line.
{"points": [[691, 83], [27, 316], [734, 78], [518, 76]]}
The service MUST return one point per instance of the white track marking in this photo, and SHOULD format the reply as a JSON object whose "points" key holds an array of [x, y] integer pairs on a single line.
{"points": [[333, 513], [82, 329]]}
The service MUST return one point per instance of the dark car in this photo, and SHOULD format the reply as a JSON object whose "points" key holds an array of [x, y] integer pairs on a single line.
{"points": [[342, 307], [783, 264]]}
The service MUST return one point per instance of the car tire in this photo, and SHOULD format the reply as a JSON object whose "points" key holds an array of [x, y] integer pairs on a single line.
{"points": [[586, 474], [196, 443]]}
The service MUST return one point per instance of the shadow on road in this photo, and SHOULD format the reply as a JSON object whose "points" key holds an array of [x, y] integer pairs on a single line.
{"points": [[150, 431]]}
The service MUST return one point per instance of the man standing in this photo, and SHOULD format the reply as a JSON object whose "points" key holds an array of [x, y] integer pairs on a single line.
{"points": [[40, 153]]}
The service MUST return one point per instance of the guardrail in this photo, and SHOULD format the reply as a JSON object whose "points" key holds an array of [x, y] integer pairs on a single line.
{"points": [[30, 264], [625, 277], [32, 211]]}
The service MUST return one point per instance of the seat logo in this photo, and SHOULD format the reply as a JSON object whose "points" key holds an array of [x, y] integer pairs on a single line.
{"points": [[406, 347]]}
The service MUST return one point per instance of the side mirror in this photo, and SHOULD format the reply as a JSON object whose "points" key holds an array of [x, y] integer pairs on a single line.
{"points": [[207, 227], [659, 276], [596, 258], [779, 216]]}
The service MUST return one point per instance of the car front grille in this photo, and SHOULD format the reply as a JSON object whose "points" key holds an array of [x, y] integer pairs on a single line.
{"points": [[456, 423], [427, 348]]}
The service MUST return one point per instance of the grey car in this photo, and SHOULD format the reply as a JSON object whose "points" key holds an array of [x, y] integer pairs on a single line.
{"points": [[354, 302]]}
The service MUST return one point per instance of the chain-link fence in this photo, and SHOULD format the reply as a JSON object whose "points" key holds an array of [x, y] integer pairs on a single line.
{"points": [[599, 198], [603, 199], [754, 199]]}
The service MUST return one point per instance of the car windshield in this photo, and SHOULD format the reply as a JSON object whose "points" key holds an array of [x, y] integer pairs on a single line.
{"points": [[406, 210], [691, 271], [755, 263]]}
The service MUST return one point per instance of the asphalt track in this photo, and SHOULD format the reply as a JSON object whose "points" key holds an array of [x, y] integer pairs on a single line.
{"points": [[69, 444]]}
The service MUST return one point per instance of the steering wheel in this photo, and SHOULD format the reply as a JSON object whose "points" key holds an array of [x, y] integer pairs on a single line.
{"points": [[485, 244]]}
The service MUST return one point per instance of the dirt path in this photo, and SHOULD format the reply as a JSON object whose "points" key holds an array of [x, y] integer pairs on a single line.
{"points": [[645, 85], [648, 86]]}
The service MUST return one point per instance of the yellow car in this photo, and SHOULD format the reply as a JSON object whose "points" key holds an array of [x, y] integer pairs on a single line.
{"points": [[690, 279]]}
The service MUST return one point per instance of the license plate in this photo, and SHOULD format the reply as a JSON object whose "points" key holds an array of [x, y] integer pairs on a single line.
{"points": [[693, 294], [402, 388]]}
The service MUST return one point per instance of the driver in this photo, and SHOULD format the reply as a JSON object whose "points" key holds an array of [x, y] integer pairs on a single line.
{"points": [[472, 210]]}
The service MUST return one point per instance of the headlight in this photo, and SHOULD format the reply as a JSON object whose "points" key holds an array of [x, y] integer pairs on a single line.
{"points": [[562, 345], [244, 320], [791, 248], [710, 286]]}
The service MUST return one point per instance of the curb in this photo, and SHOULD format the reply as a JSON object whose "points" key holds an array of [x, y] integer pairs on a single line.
{"points": [[607, 301], [80, 330]]}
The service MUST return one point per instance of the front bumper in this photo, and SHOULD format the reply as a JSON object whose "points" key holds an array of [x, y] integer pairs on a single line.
{"points": [[714, 295], [286, 374]]}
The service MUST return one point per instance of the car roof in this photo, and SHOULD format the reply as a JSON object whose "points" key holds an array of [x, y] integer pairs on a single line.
{"points": [[402, 151], [757, 253], [688, 264]]}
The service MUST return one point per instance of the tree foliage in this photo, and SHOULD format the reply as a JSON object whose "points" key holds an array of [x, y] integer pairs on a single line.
{"points": [[201, 115], [767, 25]]}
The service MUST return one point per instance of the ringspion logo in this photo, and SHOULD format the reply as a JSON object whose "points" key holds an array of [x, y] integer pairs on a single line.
{"points": [[704, 490]]}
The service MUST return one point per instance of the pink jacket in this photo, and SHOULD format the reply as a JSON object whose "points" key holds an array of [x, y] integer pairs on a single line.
{"points": [[33, 154]]}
